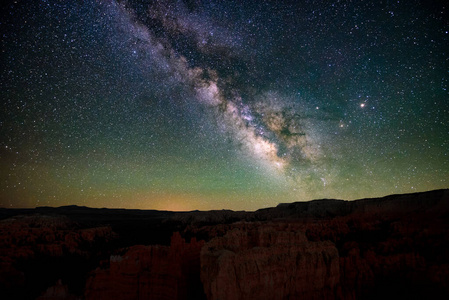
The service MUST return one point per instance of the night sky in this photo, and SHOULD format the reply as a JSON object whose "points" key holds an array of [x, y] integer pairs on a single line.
{"points": [[184, 105]]}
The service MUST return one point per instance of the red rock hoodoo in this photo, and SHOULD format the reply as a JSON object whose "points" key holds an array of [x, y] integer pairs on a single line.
{"points": [[264, 263], [150, 272]]}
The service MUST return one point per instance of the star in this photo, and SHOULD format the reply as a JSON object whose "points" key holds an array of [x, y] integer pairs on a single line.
{"points": [[159, 104]]}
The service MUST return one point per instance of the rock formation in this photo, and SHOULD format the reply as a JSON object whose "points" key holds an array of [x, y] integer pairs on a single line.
{"points": [[58, 291], [394, 247], [36, 250], [263, 263], [150, 272]]}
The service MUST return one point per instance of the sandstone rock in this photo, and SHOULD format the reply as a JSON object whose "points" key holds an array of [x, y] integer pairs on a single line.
{"points": [[150, 272], [394, 247], [267, 264], [57, 292], [32, 248]]}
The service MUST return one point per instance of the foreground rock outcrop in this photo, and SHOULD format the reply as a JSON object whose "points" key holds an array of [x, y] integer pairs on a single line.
{"points": [[150, 272], [396, 247], [390, 248], [37, 250], [263, 263]]}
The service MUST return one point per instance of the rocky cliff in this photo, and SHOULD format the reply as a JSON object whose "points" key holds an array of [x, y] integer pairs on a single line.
{"points": [[37, 250], [150, 272], [389, 248], [265, 263], [396, 247]]}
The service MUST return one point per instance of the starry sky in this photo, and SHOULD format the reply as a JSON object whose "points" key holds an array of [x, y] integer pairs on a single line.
{"points": [[184, 105]]}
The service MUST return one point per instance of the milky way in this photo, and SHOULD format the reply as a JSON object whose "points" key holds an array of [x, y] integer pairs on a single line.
{"points": [[221, 104], [260, 136]]}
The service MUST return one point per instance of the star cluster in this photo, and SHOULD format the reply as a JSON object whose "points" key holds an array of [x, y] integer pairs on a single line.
{"points": [[184, 105]]}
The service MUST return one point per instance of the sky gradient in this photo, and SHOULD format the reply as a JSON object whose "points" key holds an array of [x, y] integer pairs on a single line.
{"points": [[184, 105]]}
